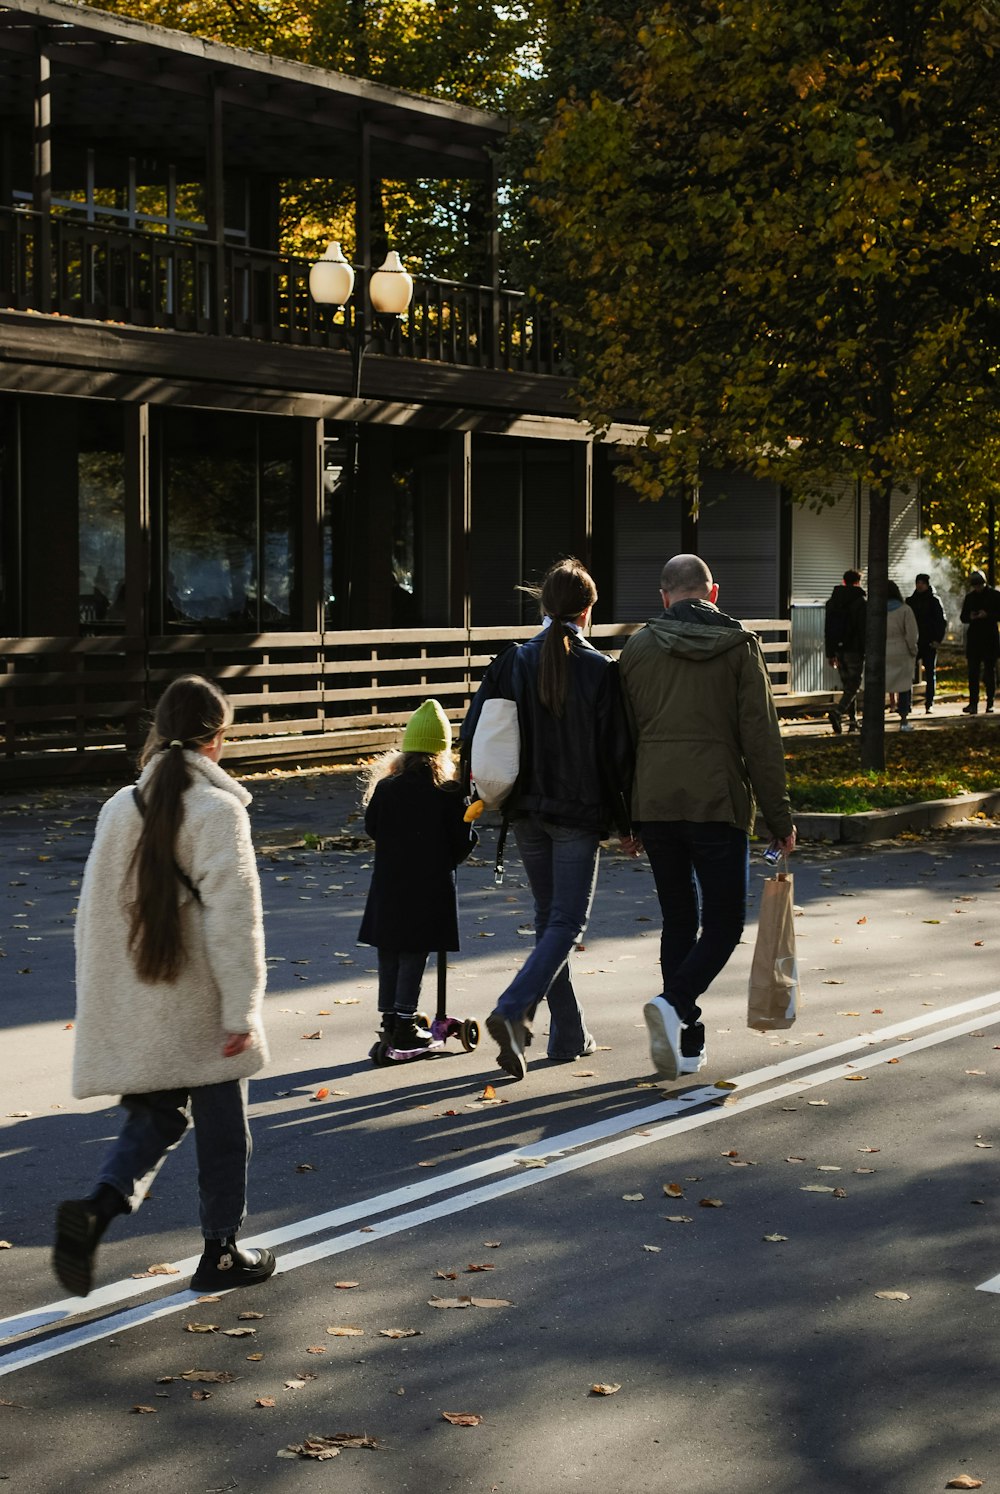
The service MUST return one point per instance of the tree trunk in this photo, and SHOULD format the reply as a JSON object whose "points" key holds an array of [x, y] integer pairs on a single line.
{"points": [[873, 720]]}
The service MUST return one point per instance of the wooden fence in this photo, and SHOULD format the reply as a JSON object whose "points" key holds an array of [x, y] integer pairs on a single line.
{"points": [[80, 706]]}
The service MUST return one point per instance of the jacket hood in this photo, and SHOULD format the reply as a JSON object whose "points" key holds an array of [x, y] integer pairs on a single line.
{"points": [[696, 630], [892, 605]]}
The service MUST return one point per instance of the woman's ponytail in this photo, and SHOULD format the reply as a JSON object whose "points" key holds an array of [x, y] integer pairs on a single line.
{"points": [[191, 713], [566, 591]]}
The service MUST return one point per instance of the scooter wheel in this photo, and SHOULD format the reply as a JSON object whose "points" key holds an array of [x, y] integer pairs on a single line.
{"points": [[379, 1054], [469, 1034]]}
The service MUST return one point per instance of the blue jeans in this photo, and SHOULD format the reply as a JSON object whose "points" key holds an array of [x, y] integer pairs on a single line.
{"points": [[561, 863], [155, 1124], [701, 873], [400, 974]]}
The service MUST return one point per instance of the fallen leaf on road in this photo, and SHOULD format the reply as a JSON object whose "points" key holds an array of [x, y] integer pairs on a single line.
{"points": [[795, 1159], [893, 1296], [248, 1317], [673, 1190], [678, 1218], [462, 1418], [611, 1389], [319, 1448], [201, 1395], [238, 1332], [265, 1400], [207, 1377], [857, 1078], [399, 1332], [818, 1102], [304, 1167], [632, 1197], [964, 1481], [773, 1239], [201, 1327], [653, 1249], [345, 1286], [815, 1188], [984, 1146], [345, 1332], [975, 1071], [147, 1410], [311, 1037], [489, 1266], [710, 1203]]}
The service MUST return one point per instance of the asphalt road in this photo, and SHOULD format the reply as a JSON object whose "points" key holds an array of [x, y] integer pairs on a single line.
{"points": [[744, 1363]]}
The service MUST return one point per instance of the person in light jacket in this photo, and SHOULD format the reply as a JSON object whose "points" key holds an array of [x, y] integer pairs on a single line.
{"points": [[901, 634], [170, 980]]}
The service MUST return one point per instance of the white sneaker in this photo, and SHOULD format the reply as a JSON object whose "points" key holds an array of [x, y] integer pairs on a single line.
{"points": [[664, 1037], [906, 726]]}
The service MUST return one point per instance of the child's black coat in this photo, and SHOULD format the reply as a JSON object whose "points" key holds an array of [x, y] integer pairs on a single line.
{"points": [[420, 837]]}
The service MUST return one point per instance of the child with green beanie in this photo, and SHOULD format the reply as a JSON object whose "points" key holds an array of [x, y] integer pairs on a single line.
{"points": [[414, 812]]}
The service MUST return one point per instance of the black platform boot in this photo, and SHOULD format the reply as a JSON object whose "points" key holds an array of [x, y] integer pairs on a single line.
{"points": [[80, 1226], [224, 1265]]}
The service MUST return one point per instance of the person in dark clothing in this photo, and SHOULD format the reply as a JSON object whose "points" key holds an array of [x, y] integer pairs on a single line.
{"points": [[708, 748], [932, 625], [845, 646], [414, 812], [574, 781], [981, 612]]}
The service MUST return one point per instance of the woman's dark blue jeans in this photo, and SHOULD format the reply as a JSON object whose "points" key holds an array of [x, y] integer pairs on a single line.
{"points": [[561, 863], [701, 873], [156, 1122]]}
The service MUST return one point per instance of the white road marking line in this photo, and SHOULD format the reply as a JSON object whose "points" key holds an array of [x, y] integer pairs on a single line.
{"points": [[23, 1355], [115, 1293]]}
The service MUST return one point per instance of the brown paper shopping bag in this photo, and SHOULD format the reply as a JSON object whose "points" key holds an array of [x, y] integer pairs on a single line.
{"points": [[774, 974]]}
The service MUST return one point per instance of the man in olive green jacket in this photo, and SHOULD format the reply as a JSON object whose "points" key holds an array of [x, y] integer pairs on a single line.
{"points": [[708, 746]]}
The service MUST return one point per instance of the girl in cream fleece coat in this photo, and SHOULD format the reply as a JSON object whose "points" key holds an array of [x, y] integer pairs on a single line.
{"points": [[170, 982]]}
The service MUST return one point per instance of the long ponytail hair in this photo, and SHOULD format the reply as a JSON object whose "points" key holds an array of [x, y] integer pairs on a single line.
{"points": [[567, 589], [191, 712]]}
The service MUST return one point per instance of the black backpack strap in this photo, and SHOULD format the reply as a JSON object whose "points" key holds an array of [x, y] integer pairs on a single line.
{"points": [[498, 867], [182, 875]]}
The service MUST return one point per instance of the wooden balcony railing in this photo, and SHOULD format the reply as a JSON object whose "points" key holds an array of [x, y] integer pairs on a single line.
{"points": [[76, 706], [78, 269]]}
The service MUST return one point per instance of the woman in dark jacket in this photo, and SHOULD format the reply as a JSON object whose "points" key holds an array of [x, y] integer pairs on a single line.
{"points": [[574, 781]]}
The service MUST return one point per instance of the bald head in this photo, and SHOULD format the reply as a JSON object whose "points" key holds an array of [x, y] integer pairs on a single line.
{"points": [[686, 577]]}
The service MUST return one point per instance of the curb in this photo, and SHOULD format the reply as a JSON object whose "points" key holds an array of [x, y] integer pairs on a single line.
{"points": [[881, 824]]}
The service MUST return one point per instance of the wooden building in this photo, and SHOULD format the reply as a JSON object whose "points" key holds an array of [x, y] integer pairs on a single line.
{"points": [[187, 478]]}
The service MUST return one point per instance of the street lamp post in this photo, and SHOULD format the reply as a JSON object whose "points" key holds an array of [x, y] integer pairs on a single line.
{"points": [[390, 290]]}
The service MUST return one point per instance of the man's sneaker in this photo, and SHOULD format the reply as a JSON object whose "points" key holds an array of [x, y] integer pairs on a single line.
{"points": [[512, 1038], [692, 1048], [664, 1025], [836, 722], [970, 710], [906, 726]]}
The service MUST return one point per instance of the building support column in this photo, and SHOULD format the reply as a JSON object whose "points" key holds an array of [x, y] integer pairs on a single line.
{"points": [[460, 520], [215, 194], [312, 609], [42, 181], [583, 501], [138, 621], [493, 265]]}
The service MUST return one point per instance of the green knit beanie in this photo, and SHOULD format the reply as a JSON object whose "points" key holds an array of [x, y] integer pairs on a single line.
{"points": [[428, 729]]}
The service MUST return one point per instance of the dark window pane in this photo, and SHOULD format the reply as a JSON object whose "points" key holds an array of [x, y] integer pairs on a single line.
{"points": [[210, 517], [101, 488]]}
